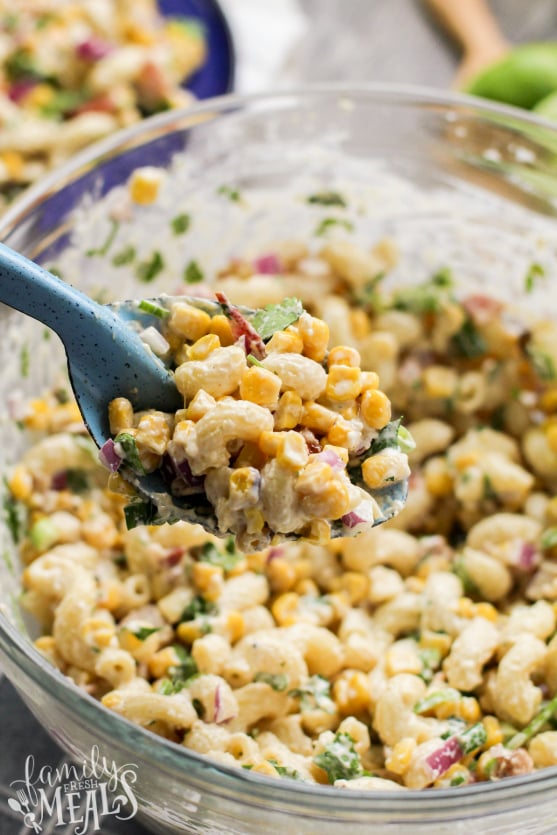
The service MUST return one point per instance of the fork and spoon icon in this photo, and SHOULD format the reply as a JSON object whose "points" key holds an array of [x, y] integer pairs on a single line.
{"points": [[22, 806]]}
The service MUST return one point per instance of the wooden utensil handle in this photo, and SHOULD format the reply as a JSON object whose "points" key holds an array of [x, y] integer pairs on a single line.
{"points": [[471, 23]]}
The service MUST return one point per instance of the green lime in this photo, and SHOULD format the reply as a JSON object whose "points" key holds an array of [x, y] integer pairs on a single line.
{"points": [[522, 78]]}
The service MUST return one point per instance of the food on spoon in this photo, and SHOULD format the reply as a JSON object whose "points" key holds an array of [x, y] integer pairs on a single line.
{"points": [[278, 435]]}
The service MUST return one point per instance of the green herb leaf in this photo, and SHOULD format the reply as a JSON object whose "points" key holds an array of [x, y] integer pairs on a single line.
{"points": [[431, 659], [340, 760], [24, 361], [124, 256], [386, 439], [63, 103], [328, 198], [196, 607], [438, 697], [148, 270], [127, 449], [232, 193], [426, 297], [227, 559], [139, 513], [15, 514], [143, 632], [185, 670], [543, 363], [193, 274], [21, 65], [549, 538], [154, 309], [328, 222], [535, 271], [468, 341], [315, 694], [285, 770], [77, 480], [458, 780], [276, 317], [277, 681], [103, 249], [180, 224]]}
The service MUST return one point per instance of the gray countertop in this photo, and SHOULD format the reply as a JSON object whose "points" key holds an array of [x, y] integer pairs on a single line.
{"points": [[346, 40]]}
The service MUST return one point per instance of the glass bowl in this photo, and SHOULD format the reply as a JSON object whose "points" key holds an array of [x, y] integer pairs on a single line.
{"points": [[455, 181]]}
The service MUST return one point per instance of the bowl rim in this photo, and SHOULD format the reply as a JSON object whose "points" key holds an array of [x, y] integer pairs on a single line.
{"points": [[166, 755]]}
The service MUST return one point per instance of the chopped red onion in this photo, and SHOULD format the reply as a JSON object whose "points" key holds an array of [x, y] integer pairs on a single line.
{"points": [[59, 480], [361, 515], [331, 458], [528, 556], [253, 344], [482, 309], [93, 48], [19, 89], [269, 264], [173, 556], [275, 552], [443, 758], [219, 714], [108, 456]]}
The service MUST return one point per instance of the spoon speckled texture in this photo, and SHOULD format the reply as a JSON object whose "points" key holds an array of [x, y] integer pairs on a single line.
{"points": [[107, 358]]}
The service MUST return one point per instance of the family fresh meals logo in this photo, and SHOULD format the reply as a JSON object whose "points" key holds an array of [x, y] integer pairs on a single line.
{"points": [[70, 794]]}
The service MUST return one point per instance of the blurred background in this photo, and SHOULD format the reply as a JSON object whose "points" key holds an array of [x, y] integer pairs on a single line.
{"points": [[278, 44]]}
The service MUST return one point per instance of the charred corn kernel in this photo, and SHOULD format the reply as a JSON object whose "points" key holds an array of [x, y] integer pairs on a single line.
{"points": [[318, 418], [465, 608], [285, 609], [265, 767], [153, 433], [145, 183], [551, 437], [260, 386], [189, 631], [439, 641], [493, 731], [332, 502], [21, 483], [370, 380], [120, 415], [221, 327], [548, 400], [204, 575], [204, 346], [201, 403], [281, 574], [160, 662], [343, 383], [359, 322], [289, 412], [375, 408], [400, 757], [270, 443], [38, 415], [437, 477], [315, 336], [235, 626], [293, 451], [344, 355], [402, 659], [439, 381], [487, 611], [355, 585], [188, 321], [284, 342], [351, 693]]}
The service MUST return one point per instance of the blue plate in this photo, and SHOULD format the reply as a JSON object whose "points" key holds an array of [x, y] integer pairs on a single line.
{"points": [[216, 76]]}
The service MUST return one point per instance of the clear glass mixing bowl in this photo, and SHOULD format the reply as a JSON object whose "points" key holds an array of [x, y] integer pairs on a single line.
{"points": [[451, 179]]}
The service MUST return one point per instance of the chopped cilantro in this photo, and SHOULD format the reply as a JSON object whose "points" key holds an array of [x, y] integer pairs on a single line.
{"points": [[468, 584], [185, 670], [543, 363], [489, 493], [468, 341], [63, 103], [232, 193], [124, 256], [327, 198], [128, 450], [328, 222], [340, 760], [276, 317], [198, 707], [143, 632], [535, 271], [148, 270], [227, 559], [193, 274], [61, 395], [472, 738], [21, 65], [197, 606], [15, 515], [103, 249], [387, 438], [430, 658], [549, 538], [24, 361], [180, 224], [285, 770], [458, 780], [438, 697], [8, 561], [139, 513], [426, 297], [76, 480], [315, 694], [154, 309], [277, 681]]}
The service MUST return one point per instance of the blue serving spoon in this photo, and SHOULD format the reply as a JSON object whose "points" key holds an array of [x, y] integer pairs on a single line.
{"points": [[107, 358]]}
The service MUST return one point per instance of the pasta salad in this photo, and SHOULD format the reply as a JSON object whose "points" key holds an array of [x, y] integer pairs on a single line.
{"points": [[420, 654]]}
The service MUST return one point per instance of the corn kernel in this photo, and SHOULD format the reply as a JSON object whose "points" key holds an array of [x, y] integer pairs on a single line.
{"points": [[351, 693], [315, 336], [359, 322], [375, 408], [456, 770], [255, 520], [270, 443], [39, 95], [370, 380], [189, 321], [548, 400], [551, 437], [376, 470], [285, 342], [344, 355], [436, 640], [439, 381], [355, 585], [205, 576], [250, 456], [281, 574], [340, 433], [319, 532], [402, 659], [21, 483], [204, 346], [437, 477], [400, 757], [340, 451], [470, 709], [493, 730], [343, 383], [260, 386], [187, 632], [37, 416], [289, 412], [487, 611], [145, 183], [293, 451], [318, 418], [201, 403], [139, 35], [221, 327], [14, 164], [160, 661], [465, 608], [331, 502], [111, 597], [266, 768], [285, 609], [551, 509]]}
